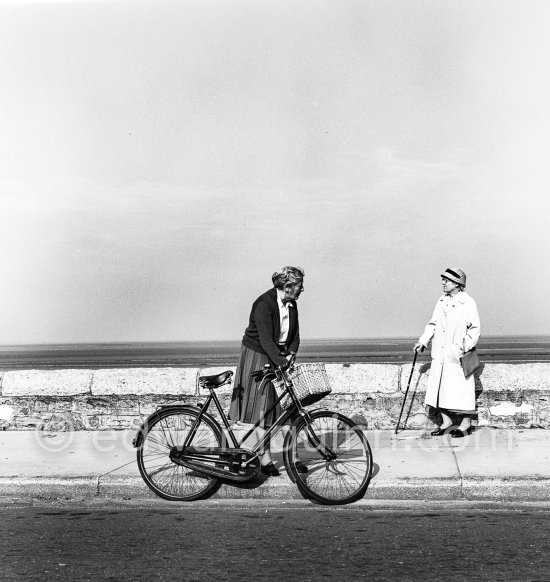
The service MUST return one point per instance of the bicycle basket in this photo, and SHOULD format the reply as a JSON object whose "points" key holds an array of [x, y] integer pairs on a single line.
{"points": [[310, 382]]}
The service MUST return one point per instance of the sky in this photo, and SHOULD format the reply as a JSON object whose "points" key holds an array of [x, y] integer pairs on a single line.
{"points": [[161, 159]]}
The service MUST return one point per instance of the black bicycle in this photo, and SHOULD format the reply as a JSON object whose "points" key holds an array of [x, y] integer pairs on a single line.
{"points": [[184, 455]]}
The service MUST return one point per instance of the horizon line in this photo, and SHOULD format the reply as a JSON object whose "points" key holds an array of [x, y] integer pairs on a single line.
{"points": [[235, 340]]}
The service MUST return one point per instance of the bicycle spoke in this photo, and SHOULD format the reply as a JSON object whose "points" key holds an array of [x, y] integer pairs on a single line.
{"points": [[165, 467]]}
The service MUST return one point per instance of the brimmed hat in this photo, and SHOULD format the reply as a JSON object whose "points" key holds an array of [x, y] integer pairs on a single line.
{"points": [[456, 275]]}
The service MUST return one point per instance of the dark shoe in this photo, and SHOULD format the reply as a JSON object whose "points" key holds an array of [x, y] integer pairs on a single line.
{"points": [[300, 467], [270, 470], [459, 433], [441, 431]]}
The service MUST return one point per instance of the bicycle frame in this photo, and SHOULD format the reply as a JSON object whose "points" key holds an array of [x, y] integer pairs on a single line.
{"points": [[271, 431], [186, 452], [296, 408]]}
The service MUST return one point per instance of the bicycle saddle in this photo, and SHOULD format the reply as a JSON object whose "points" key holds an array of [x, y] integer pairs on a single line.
{"points": [[216, 380]]}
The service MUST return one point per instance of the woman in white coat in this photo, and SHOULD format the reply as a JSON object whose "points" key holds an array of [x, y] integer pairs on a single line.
{"points": [[453, 330]]}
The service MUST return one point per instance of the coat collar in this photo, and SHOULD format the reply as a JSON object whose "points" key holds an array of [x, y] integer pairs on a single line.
{"points": [[275, 297], [461, 297]]}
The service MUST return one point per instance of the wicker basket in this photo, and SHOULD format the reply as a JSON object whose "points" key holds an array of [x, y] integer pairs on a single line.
{"points": [[310, 382]]}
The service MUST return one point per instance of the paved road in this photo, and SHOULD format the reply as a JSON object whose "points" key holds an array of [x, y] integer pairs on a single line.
{"points": [[272, 542]]}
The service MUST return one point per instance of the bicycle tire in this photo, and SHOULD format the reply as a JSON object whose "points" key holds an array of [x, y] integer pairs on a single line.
{"points": [[336, 482], [164, 430]]}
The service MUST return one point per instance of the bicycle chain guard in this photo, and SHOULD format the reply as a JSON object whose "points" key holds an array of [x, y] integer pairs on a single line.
{"points": [[225, 463]]}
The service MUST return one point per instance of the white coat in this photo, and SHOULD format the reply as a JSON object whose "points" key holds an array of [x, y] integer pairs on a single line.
{"points": [[453, 329]]}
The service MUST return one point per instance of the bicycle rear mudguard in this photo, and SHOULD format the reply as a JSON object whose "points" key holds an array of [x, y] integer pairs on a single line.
{"points": [[138, 439]]}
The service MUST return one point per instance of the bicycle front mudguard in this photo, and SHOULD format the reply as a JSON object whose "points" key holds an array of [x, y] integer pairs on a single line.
{"points": [[297, 417], [138, 439]]}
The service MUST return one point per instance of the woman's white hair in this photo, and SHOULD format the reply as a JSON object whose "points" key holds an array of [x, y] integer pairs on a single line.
{"points": [[287, 275]]}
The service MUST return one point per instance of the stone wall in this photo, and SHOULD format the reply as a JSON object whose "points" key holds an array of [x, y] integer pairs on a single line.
{"points": [[509, 395]]}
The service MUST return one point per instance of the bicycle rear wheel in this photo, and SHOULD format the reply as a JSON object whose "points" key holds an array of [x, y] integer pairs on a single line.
{"points": [[165, 430], [339, 477]]}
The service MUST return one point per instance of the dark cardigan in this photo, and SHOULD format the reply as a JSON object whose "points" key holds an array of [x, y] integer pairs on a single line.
{"points": [[264, 327]]}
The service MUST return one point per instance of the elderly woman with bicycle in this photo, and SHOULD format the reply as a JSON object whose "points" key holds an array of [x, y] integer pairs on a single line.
{"points": [[184, 454], [272, 337]]}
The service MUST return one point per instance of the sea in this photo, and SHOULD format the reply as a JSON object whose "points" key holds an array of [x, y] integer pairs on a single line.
{"points": [[498, 349]]}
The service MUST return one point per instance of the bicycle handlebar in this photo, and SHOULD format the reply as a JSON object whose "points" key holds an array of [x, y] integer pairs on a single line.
{"points": [[290, 362], [268, 369]]}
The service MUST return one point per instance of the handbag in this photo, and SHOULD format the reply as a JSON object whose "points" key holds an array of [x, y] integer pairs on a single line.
{"points": [[470, 362]]}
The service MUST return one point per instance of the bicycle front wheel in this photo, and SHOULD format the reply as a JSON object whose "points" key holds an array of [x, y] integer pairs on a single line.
{"points": [[165, 430], [329, 458]]}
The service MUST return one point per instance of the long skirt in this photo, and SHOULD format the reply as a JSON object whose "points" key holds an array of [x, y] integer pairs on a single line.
{"points": [[251, 399]]}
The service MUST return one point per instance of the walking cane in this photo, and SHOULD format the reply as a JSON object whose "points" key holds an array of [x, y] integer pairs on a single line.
{"points": [[406, 391]]}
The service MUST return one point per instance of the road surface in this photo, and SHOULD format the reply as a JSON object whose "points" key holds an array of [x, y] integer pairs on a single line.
{"points": [[274, 541]]}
